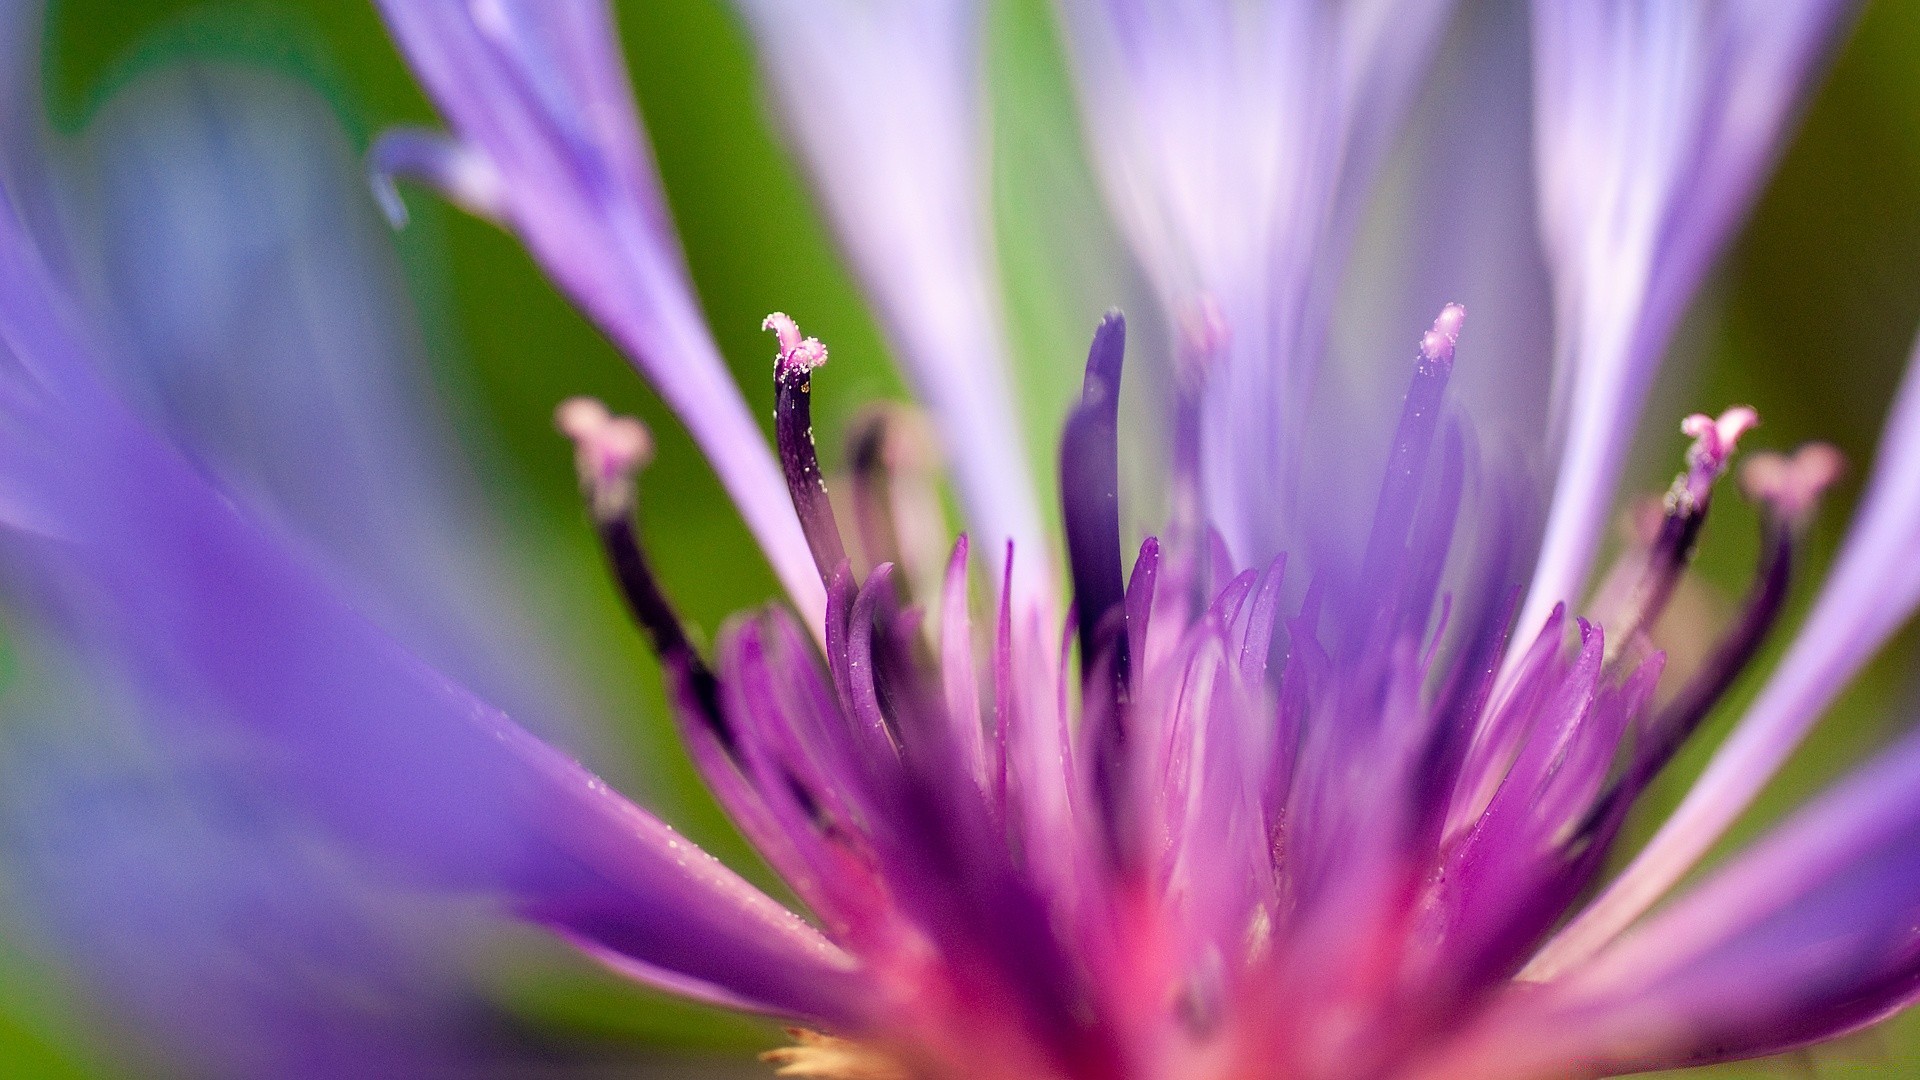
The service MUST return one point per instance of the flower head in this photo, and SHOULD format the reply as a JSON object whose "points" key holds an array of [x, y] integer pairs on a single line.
{"points": [[1273, 794]]}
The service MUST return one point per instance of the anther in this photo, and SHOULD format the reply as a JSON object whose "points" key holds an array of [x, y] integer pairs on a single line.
{"points": [[798, 355], [1437, 344], [1714, 441], [1787, 488], [793, 371], [1790, 486], [1683, 512], [609, 451]]}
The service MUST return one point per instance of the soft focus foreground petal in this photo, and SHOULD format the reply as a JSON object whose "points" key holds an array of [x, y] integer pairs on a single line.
{"points": [[139, 562], [263, 327], [1655, 124], [538, 91], [884, 103], [1234, 141], [211, 918], [1872, 589], [1808, 935]]}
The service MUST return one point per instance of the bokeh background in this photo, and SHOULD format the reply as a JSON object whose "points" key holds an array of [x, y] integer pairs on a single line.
{"points": [[1809, 320]]}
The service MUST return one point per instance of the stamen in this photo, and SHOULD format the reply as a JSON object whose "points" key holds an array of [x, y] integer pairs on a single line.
{"points": [[1412, 442], [1713, 445], [867, 460], [1683, 512], [1787, 490], [793, 432], [1790, 487], [609, 452], [1090, 504], [1090, 498]]}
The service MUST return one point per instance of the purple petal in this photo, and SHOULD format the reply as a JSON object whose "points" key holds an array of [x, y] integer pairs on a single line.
{"points": [[1656, 123], [883, 102], [257, 299], [1870, 592], [1807, 936], [538, 92], [139, 562], [1234, 142]]}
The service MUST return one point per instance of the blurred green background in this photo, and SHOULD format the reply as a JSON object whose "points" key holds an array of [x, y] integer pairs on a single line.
{"points": [[1809, 321]]}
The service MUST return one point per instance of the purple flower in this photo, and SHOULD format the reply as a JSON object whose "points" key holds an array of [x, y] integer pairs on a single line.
{"points": [[1315, 783]]}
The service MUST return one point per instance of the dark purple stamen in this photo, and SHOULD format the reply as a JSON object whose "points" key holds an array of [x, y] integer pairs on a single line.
{"points": [[793, 433], [1090, 501], [1684, 512], [1786, 503], [608, 451], [655, 614]]}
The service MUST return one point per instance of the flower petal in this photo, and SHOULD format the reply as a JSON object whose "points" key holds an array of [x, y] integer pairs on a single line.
{"points": [[884, 104], [1872, 589], [265, 332], [1234, 141], [1808, 935], [138, 561], [1655, 125], [539, 93]]}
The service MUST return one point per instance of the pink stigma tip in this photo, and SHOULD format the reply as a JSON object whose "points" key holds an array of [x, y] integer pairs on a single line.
{"points": [[1714, 440], [607, 449], [797, 353], [1792, 485], [1436, 346]]}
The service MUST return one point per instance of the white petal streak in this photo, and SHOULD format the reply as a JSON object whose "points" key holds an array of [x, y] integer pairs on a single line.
{"points": [[1655, 124], [883, 102], [1873, 589]]}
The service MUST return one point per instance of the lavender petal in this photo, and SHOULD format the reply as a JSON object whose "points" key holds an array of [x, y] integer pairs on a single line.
{"points": [[538, 90], [135, 559], [1870, 592], [1656, 124], [884, 104], [1234, 142]]}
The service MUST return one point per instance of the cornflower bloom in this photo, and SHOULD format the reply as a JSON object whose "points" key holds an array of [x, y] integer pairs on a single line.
{"points": [[1285, 796]]}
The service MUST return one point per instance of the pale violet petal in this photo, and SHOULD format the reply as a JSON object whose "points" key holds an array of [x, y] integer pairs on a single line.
{"points": [[260, 314], [1655, 125], [539, 90], [883, 102], [1806, 936], [1871, 591], [1234, 141]]}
